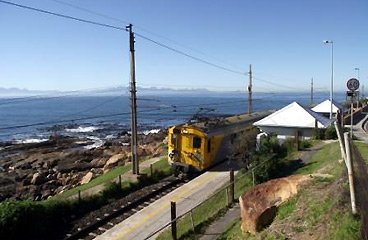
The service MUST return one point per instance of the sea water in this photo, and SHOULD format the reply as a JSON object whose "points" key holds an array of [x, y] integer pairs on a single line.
{"points": [[34, 119]]}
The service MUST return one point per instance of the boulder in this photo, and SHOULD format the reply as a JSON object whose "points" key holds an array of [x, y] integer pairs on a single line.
{"points": [[98, 162], [87, 178], [38, 179], [258, 206], [114, 161]]}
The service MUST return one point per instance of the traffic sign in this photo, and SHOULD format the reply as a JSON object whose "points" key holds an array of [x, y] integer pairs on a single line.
{"points": [[352, 84]]}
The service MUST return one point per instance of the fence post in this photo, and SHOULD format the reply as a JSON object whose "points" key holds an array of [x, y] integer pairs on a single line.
{"points": [[341, 141], [350, 173], [232, 188], [119, 180], [191, 217], [151, 169], [173, 221], [79, 196], [253, 177]]}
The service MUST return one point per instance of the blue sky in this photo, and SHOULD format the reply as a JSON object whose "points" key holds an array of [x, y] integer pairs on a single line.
{"points": [[281, 39]]}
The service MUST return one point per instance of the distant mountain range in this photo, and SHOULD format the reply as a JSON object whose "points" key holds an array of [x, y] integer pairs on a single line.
{"points": [[17, 92]]}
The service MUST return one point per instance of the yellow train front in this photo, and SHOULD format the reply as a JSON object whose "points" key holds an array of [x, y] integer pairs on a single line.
{"points": [[200, 145]]}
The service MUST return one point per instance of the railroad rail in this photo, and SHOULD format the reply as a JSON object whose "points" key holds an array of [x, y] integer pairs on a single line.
{"points": [[99, 221]]}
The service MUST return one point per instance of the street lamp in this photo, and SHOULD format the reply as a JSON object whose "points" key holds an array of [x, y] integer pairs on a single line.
{"points": [[332, 73], [357, 69]]}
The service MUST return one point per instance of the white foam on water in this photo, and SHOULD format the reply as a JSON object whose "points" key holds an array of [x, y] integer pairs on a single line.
{"points": [[30, 140], [152, 131], [97, 143], [81, 129]]}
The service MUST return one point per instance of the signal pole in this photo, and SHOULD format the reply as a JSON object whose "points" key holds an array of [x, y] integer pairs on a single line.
{"points": [[133, 99], [250, 90]]}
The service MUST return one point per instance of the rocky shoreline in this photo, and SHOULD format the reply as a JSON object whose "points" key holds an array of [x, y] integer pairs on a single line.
{"points": [[37, 171]]}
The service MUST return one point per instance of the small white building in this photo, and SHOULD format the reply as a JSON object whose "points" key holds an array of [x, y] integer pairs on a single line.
{"points": [[324, 108], [293, 119]]}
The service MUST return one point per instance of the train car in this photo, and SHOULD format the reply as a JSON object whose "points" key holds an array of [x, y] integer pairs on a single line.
{"points": [[200, 145]]}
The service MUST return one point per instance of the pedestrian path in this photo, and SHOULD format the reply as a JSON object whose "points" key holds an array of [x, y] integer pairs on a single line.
{"points": [[221, 225], [359, 132]]}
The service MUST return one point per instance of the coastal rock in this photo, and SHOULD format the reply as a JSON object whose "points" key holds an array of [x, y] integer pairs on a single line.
{"points": [[258, 206], [114, 161], [98, 162], [87, 178], [38, 179]]}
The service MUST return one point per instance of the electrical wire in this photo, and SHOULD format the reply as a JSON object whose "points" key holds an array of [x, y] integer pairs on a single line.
{"points": [[62, 15], [143, 29], [188, 55], [141, 36]]}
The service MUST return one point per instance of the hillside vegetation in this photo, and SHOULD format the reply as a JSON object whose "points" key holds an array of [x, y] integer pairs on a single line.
{"points": [[321, 210]]}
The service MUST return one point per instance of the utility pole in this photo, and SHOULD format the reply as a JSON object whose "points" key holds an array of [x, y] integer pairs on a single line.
{"points": [[250, 90], [311, 103], [133, 100]]}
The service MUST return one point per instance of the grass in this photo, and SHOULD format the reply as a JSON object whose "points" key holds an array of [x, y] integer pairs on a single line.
{"points": [[311, 210], [103, 179], [108, 177], [322, 158], [162, 165], [362, 147]]}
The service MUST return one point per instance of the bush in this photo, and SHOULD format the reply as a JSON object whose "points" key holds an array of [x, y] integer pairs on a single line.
{"points": [[330, 132], [36, 220]]}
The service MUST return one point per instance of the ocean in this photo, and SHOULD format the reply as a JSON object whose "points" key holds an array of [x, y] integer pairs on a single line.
{"points": [[34, 119]]}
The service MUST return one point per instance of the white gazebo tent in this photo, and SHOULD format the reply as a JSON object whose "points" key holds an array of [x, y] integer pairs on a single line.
{"points": [[293, 119]]}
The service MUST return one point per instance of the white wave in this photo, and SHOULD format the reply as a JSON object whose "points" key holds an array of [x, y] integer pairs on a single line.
{"points": [[152, 131], [81, 129], [97, 143], [30, 140]]}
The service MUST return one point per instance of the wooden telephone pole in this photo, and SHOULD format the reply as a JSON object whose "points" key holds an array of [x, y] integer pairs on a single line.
{"points": [[250, 109], [133, 100]]}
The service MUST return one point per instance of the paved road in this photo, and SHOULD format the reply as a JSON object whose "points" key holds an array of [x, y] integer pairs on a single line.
{"points": [[156, 215], [358, 130]]}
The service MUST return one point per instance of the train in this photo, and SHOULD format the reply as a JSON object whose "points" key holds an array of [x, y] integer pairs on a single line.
{"points": [[196, 146]]}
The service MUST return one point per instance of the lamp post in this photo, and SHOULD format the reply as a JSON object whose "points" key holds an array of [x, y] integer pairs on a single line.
{"points": [[357, 69], [332, 73]]}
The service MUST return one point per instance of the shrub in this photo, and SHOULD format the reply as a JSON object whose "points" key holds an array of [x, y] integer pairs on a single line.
{"points": [[330, 132]]}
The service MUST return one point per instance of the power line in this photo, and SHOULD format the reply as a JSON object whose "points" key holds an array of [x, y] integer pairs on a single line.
{"points": [[62, 15], [143, 29], [143, 37], [188, 55]]}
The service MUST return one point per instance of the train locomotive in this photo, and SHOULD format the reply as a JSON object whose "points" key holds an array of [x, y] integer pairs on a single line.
{"points": [[196, 146]]}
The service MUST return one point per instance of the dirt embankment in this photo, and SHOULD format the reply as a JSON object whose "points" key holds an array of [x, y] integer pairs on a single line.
{"points": [[40, 170]]}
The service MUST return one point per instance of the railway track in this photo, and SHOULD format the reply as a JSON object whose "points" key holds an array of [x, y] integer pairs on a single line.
{"points": [[99, 221]]}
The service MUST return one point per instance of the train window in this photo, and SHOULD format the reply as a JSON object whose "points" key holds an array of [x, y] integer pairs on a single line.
{"points": [[209, 146], [196, 142]]}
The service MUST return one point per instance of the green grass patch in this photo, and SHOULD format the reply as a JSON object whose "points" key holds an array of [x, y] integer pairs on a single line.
{"points": [[287, 208], [322, 158], [344, 226], [363, 149], [161, 165], [103, 179]]}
